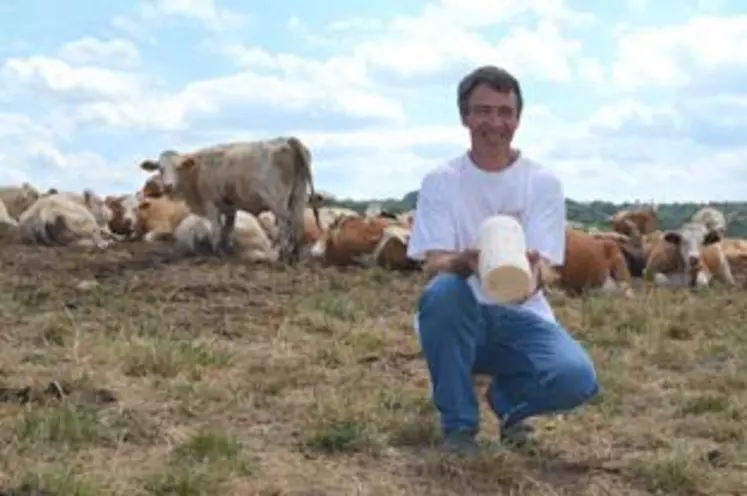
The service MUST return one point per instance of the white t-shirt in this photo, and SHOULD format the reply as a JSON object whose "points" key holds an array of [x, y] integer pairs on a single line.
{"points": [[457, 196]]}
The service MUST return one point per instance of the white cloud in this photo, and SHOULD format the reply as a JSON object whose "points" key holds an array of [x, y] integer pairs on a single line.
{"points": [[374, 98], [672, 55], [118, 52], [50, 75], [591, 70], [205, 11]]}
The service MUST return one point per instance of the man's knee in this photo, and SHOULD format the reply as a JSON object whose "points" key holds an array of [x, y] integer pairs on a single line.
{"points": [[444, 289], [447, 308], [574, 377]]}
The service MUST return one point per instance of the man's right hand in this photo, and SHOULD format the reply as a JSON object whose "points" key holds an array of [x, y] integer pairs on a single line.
{"points": [[463, 263]]}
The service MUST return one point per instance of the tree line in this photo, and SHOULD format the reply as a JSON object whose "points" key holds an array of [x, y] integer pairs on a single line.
{"points": [[596, 213]]}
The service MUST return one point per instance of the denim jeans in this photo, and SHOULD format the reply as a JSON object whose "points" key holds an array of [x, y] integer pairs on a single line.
{"points": [[535, 365]]}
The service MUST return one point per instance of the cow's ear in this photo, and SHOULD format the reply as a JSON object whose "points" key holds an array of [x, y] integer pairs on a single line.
{"points": [[187, 163], [711, 237], [149, 165], [673, 237]]}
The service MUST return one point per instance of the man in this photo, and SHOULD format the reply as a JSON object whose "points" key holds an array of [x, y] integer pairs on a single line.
{"points": [[535, 365]]}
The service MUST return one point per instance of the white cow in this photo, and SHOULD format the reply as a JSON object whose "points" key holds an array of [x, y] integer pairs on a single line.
{"points": [[252, 176], [58, 219]]}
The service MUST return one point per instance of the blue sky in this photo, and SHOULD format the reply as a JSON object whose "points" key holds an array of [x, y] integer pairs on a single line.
{"points": [[628, 99]]}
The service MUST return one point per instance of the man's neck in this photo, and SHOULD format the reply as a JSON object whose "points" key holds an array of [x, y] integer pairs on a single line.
{"points": [[494, 162]]}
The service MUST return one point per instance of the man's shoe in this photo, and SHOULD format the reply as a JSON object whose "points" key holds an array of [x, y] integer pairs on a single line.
{"points": [[519, 437], [460, 443]]}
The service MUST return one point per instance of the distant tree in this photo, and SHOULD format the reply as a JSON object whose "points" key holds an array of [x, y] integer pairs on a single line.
{"points": [[595, 213]]}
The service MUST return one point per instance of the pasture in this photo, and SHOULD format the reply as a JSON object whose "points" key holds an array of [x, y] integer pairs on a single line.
{"points": [[147, 374]]}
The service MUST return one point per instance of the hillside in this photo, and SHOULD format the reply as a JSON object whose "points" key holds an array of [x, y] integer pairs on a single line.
{"points": [[132, 372], [595, 213]]}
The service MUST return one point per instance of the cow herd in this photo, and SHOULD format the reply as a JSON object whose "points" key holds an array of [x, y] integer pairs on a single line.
{"points": [[635, 248], [253, 199], [257, 200]]}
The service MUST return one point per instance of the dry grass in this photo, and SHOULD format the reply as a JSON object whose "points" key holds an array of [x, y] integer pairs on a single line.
{"points": [[232, 379]]}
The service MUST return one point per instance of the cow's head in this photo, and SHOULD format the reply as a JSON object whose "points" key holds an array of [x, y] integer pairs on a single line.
{"points": [[170, 166], [153, 187], [123, 213], [690, 238], [142, 216]]}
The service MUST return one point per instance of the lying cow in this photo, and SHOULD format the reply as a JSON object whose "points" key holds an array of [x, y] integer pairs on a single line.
{"points": [[636, 222], [156, 219], [592, 263], [251, 176], [312, 231], [712, 218], [353, 240], [690, 256], [635, 253], [59, 219], [123, 208], [170, 221], [8, 225], [18, 198], [94, 203]]}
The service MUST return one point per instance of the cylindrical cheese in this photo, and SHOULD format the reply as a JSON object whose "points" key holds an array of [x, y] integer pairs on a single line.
{"points": [[504, 270]]}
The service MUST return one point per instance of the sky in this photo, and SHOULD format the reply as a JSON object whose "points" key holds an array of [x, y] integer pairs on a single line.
{"points": [[625, 100]]}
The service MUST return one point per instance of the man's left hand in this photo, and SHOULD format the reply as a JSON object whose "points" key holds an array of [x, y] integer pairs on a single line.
{"points": [[533, 258]]}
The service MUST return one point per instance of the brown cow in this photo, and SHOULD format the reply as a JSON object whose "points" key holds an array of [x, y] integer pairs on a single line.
{"points": [[636, 222], [635, 254], [592, 263], [157, 218], [354, 240]]}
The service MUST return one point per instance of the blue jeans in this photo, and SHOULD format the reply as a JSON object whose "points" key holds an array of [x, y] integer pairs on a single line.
{"points": [[536, 366]]}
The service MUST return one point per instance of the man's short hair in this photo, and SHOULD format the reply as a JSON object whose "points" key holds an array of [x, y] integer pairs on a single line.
{"points": [[497, 78]]}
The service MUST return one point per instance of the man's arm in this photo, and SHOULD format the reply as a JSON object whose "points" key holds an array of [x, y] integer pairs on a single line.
{"points": [[433, 239], [545, 222]]}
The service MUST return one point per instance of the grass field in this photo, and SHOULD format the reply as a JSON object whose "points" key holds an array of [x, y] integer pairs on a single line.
{"points": [[187, 377]]}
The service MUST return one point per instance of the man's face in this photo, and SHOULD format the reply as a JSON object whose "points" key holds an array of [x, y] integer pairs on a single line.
{"points": [[492, 117]]}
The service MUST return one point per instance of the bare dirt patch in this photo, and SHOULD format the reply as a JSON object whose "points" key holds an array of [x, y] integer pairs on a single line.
{"points": [[135, 372]]}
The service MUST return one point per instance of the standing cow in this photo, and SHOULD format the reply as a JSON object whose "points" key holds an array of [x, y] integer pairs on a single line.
{"points": [[252, 176]]}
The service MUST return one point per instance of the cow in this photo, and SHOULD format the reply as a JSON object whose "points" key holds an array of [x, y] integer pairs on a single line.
{"points": [[712, 218], [689, 256], [368, 242], [312, 230], [94, 203], [635, 253], [253, 176], [18, 198], [735, 251], [592, 263], [152, 188], [636, 222], [407, 218], [163, 220], [59, 219], [192, 235], [157, 218], [8, 224], [123, 209], [376, 210]]}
